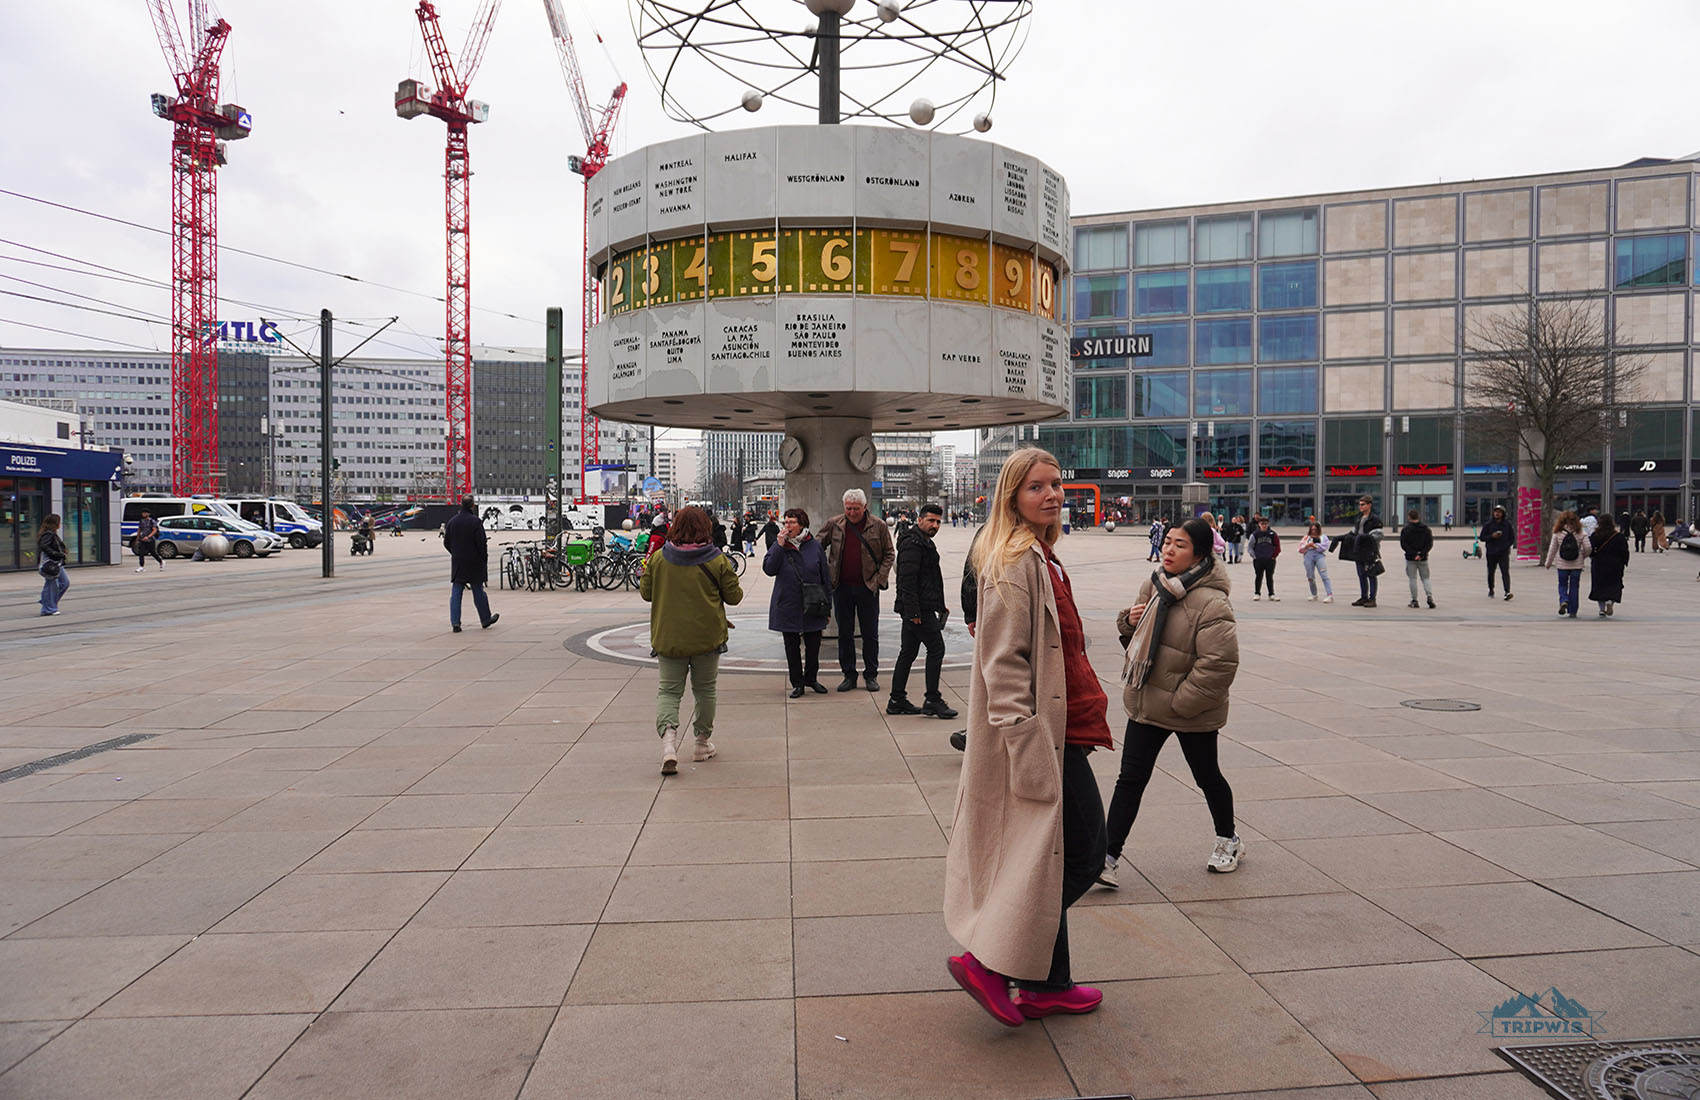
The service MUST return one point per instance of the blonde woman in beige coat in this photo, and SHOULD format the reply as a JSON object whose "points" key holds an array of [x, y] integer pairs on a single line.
{"points": [[1027, 839]]}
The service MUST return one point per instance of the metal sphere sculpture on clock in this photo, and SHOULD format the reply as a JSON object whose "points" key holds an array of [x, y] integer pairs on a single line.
{"points": [[731, 56]]}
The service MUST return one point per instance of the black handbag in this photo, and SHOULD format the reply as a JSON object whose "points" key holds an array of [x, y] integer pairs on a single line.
{"points": [[1375, 568], [49, 567], [817, 602]]}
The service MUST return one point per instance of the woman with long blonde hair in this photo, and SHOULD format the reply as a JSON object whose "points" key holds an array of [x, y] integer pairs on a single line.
{"points": [[1027, 839]]}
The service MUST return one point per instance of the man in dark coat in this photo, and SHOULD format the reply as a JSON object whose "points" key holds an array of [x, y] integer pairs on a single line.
{"points": [[920, 604], [1498, 539], [469, 555], [770, 532]]}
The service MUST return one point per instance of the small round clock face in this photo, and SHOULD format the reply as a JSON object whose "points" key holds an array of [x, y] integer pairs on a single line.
{"points": [[862, 453], [791, 453]]}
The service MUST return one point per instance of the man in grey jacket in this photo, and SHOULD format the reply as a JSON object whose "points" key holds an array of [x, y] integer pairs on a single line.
{"points": [[859, 556]]}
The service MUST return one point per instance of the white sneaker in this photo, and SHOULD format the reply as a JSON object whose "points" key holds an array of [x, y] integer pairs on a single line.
{"points": [[1328, 599], [141, 569], [669, 753], [1107, 877], [1254, 599], [704, 749], [1225, 857], [1311, 598], [1274, 598]]}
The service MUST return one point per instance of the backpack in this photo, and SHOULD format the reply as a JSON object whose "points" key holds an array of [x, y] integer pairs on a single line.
{"points": [[1569, 549]]}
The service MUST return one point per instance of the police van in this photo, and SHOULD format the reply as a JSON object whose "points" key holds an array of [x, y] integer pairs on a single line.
{"points": [[284, 517], [163, 505]]}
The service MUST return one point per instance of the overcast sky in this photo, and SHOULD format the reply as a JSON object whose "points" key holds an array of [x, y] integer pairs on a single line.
{"points": [[1139, 104]]}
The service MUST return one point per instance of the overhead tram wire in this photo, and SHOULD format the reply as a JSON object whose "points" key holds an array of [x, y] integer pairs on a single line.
{"points": [[68, 332], [262, 256]]}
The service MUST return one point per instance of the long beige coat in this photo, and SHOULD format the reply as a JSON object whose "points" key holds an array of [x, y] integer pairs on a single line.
{"points": [[1003, 872]]}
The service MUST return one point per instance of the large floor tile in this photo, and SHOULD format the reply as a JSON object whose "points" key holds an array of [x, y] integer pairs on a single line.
{"points": [[1508, 1085], [832, 838], [1302, 818], [440, 811], [249, 972], [144, 906], [721, 804], [20, 1039], [937, 1046], [1398, 1020], [744, 1049], [1560, 851], [1663, 905], [529, 896], [1253, 1044], [1468, 808], [372, 850], [469, 968], [1148, 940], [890, 953], [1506, 918], [672, 842], [729, 960], [304, 902], [554, 846], [1309, 931], [61, 979], [831, 888], [409, 1055], [1589, 802], [1407, 859], [1177, 868], [212, 1057], [706, 892]]}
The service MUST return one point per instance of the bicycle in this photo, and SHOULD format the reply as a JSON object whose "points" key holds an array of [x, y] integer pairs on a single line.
{"points": [[738, 559]]}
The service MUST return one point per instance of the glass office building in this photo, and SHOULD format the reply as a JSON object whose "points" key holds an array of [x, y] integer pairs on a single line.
{"points": [[1309, 350]]}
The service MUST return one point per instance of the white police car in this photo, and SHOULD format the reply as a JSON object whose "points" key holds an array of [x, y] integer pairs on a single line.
{"points": [[182, 534]]}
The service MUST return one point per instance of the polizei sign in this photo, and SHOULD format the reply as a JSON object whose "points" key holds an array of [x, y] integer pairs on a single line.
{"points": [[1110, 347]]}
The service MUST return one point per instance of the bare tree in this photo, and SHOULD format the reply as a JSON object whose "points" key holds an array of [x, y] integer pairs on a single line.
{"points": [[924, 482], [724, 490], [1547, 378]]}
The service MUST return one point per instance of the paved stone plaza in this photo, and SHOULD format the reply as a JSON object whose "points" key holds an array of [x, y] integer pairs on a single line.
{"points": [[365, 857]]}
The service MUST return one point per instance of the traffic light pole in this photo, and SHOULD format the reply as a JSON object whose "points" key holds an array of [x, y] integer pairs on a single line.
{"points": [[328, 547]]}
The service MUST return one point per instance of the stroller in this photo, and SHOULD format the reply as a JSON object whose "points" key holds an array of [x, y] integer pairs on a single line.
{"points": [[361, 544]]}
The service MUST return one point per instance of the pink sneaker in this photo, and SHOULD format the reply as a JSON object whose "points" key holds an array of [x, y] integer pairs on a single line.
{"points": [[1077, 1001], [987, 988]]}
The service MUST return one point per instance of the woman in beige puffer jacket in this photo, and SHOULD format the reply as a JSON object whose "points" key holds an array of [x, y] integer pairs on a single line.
{"points": [[1185, 692]]}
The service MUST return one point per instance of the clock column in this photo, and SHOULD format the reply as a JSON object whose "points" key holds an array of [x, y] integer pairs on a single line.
{"points": [[819, 484]]}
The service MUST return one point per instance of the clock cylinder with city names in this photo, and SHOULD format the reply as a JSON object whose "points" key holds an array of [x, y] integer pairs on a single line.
{"points": [[752, 276]]}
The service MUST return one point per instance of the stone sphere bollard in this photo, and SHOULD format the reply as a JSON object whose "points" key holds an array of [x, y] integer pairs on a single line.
{"points": [[1109, 527], [215, 547]]}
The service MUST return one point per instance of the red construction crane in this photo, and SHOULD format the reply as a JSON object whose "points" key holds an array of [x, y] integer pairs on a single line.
{"points": [[597, 127], [450, 103], [202, 125]]}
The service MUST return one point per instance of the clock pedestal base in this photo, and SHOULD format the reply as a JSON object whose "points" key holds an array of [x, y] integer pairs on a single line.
{"points": [[819, 484]]}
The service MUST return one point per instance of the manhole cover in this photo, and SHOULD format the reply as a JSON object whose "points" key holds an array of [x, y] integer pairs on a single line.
{"points": [[1439, 704], [1639, 1069]]}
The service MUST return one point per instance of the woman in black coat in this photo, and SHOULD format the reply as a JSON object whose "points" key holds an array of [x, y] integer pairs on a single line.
{"points": [[1610, 557], [794, 558]]}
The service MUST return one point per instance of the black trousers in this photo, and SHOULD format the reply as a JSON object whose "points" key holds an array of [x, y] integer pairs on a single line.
{"points": [[857, 607], [1140, 746], [1503, 563], [1083, 854], [802, 656], [926, 633], [1261, 568]]}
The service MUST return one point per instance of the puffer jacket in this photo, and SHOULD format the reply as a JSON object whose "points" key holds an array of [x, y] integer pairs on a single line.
{"points": [[920, 581], [1196, 661]]}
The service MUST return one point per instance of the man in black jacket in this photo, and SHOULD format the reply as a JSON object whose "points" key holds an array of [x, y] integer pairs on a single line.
{"points": [[1416, 539], [1498, 539], [920, 603], [469, 556]]}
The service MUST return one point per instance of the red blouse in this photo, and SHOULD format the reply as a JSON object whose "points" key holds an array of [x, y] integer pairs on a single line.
{"points": [[1088, 706]]}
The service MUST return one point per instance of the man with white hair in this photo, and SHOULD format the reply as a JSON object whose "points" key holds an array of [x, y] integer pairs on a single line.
{"points": [[859, 555]]}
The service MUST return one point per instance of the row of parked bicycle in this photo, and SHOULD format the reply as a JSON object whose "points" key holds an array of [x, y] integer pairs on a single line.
{"points": [[574, 560]]}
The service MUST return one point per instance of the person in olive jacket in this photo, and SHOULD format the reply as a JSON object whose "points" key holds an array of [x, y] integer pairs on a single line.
{"points": [[686, 584], [1183, 652], [795, 559], [469, 557], [1498, 539]]}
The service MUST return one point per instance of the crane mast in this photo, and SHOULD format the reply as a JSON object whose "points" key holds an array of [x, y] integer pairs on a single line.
{"points": [[450, 103], [201, 127], [597, 128]]}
